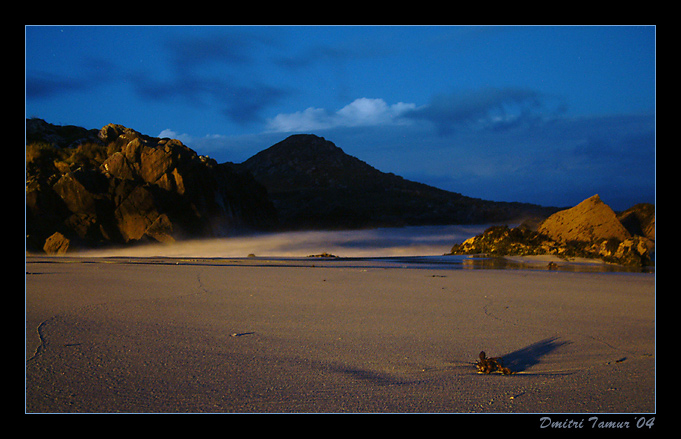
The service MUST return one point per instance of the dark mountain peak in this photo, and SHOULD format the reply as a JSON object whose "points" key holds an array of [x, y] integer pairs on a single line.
{"points": [[301, 143], [298, 148], [314, 184], [308, 161]]}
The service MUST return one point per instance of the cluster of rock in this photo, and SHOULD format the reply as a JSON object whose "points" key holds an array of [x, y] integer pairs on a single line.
{"points": [[322, 255], [591, 229], [86, 188]]}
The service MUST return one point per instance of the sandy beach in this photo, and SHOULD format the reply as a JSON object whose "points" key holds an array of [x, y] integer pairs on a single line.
{"points": [[318, 335]]}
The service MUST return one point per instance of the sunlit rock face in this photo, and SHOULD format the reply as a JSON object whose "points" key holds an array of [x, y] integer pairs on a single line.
{"points": [[590, 220], [591, 230], [117, 186]]}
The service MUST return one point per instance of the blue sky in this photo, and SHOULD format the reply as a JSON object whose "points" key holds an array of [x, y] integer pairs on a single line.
{"points": [[543, 114]]}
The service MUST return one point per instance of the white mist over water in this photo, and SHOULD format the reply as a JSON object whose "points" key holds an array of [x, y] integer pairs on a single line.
{"points": [[380, 242]]}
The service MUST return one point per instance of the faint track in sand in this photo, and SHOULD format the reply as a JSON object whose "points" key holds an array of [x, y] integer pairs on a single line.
{"points": [[41, 328]]}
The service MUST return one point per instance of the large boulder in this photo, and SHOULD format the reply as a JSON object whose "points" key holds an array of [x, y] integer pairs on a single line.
{"points": [[590, 220], [136, 213], [56, 244]]}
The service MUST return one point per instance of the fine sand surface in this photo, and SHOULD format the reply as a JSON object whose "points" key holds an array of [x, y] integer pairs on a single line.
{"points": [[311, 335]]}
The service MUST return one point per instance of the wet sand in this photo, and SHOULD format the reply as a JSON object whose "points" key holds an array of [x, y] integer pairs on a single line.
{"points": [[315, 335]]}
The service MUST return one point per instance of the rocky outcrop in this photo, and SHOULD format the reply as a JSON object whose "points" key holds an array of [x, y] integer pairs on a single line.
{"points": [[591, 229], [639, 220], [117, 186], [590, 220]]}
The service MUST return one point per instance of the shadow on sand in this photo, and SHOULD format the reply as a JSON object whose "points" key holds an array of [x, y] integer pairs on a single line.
{"points": [[524, 358]]}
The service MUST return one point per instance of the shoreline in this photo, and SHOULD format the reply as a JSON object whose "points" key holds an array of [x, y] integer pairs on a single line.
{"points": [[332, 335], [445, 261]]}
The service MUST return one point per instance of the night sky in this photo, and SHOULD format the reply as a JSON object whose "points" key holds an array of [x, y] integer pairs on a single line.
{"points": [[547, 115]]}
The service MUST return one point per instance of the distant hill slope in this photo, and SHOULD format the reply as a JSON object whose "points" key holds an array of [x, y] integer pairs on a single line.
{"points": [[314, 184]]}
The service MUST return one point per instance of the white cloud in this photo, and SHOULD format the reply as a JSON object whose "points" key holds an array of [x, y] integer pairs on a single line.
{"points": [[167, 133], [209, 142], [360, 112], [184, 138], [225, 148], [202, 145], [310, 119]]}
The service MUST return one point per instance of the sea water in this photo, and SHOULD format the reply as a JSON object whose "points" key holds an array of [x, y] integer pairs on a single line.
{"points": [[404, 247], [378, 242]]}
